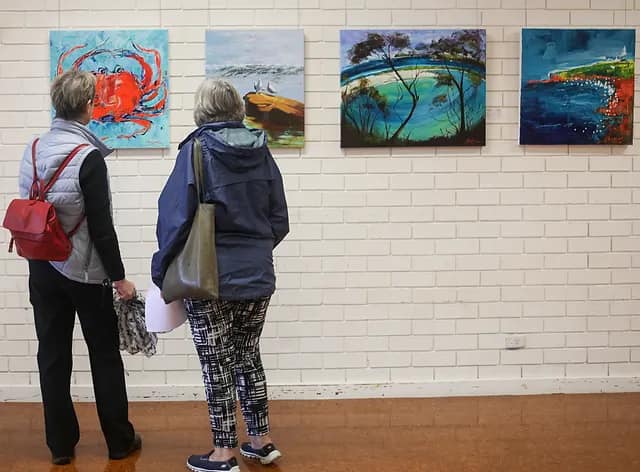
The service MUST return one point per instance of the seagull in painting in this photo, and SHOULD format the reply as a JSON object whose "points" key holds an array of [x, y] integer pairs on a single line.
{"points": [[271, 88], [257, 85]]}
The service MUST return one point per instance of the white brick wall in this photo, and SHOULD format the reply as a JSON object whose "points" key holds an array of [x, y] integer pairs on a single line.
{"points": [[403, 265]]}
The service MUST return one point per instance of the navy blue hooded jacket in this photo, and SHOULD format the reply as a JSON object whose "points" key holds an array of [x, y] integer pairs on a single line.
{"points": [[242, 179]]}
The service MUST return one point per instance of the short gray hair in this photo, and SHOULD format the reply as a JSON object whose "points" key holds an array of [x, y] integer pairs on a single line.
{"points": [[217, 100], [70, 93]]}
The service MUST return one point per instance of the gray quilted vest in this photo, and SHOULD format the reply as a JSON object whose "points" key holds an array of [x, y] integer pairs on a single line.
{"points": [[84, 264]]}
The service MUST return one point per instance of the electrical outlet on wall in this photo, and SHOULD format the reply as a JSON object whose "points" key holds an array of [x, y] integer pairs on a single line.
{"points": [[514, 342]]}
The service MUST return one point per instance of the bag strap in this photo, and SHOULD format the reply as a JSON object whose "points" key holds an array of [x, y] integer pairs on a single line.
{"points": [[57, 173], [75, 229], [197, 168], [34, 191], [33, 159], [55, 176], [38, 190]]}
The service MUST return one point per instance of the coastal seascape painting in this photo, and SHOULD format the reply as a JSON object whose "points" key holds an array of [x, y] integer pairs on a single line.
{"points": [[577, 86], [413, 87], [131, 108], [267, 68]]}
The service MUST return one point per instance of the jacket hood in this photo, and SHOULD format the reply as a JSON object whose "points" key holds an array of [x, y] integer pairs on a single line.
{"points": [[236, 146]]}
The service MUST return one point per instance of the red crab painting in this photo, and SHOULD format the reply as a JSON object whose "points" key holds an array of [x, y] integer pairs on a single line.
{"points": [[124, 93]]}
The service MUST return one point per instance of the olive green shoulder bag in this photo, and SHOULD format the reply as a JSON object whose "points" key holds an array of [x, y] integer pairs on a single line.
{"points": [[194, 271]]}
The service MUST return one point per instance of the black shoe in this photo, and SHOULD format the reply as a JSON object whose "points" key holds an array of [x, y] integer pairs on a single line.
{"points": [[135, 445], [266, 455], [62, 460], [201, 463]]}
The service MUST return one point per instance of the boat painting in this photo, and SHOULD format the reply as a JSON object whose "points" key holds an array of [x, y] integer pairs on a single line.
{"points": [[267, 68]]}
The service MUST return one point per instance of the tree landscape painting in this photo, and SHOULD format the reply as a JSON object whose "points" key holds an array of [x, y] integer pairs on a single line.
{"points": [[577, 86], [413, 87], [267, 68], [131, 107]]}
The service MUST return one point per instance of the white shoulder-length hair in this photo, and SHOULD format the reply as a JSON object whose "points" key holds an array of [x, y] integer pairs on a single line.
{"points": [[217, 100]]}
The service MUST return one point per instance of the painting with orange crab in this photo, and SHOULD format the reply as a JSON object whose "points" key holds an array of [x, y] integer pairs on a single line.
{"points": [[131, 108]]}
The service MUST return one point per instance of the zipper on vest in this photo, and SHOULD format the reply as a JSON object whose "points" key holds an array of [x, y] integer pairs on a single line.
{"points": [[87, 262]]}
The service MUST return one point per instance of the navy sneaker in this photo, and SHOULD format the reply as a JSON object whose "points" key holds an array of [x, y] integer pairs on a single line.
{"points": [[201, 463], [266, 455]]}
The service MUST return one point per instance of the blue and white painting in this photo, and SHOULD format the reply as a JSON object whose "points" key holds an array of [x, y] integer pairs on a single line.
{"points": [[267, 68], [131, 108], [577, 86], [413, 87]]}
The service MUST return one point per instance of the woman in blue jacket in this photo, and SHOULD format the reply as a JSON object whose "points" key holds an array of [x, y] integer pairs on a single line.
{"points": [[243, 180]]}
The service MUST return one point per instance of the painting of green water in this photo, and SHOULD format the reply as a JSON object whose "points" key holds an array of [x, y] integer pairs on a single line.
{"points": [[413, 87]]}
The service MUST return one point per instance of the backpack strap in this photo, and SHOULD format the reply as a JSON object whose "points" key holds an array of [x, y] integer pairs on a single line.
{"points": [[34, 191], [75, 229], [57, 173], [39, 190], [33, 158]]}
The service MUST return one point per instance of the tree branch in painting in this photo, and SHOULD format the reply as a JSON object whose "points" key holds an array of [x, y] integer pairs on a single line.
{"points": [[386, 47], [465, 46], [363, 105]]}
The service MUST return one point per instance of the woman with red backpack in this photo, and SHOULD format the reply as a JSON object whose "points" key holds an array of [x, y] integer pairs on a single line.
{"points": [[80, 283]]}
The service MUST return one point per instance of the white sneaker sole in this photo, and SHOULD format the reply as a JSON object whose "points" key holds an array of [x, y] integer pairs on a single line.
{"points": [[235, 468], [273, 455]]}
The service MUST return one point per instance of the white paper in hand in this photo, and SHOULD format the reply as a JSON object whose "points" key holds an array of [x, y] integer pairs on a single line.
{"points": [[161, 317]]}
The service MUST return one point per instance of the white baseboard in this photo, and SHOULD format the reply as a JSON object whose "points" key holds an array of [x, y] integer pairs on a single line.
{"points": [[31, 393]]}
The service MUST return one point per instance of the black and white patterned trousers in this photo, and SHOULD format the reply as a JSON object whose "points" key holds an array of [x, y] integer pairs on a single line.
{"points": [[227, 336]]}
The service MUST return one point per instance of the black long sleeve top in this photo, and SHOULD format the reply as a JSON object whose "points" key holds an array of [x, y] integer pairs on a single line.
{"points": [[95, 189]]}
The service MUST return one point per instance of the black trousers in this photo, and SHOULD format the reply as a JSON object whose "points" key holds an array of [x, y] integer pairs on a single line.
{"points": [[55, 301]]}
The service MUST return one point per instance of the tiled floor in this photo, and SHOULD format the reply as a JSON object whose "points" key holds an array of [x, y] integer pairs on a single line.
{"points": [[561, 433]]}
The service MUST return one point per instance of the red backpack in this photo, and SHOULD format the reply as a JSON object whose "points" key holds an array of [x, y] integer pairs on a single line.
{"points": [[34, 224]]}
